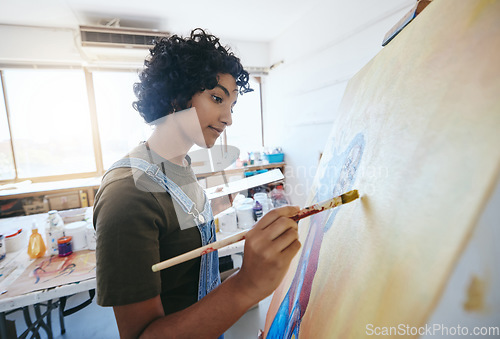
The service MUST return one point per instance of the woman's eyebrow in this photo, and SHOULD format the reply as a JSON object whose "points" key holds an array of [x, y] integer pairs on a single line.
{"points": [[225, 89]]}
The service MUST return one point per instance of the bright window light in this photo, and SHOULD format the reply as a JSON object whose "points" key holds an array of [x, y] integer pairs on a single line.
{"points": [[50, 122], [7, 170], [121, 128], [246, 130]]}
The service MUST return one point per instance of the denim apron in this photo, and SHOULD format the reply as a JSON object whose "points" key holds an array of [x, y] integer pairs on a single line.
{"points": [[209, 267]]}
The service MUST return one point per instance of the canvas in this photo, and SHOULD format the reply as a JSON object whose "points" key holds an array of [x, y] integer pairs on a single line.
{"points": [[417, 134]]}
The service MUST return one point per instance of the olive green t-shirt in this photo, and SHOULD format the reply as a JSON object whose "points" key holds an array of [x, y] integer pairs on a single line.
{"points": [[137, 225]]}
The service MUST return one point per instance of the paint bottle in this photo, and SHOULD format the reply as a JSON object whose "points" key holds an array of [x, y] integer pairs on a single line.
{"points": [[54, 229], [257, 210], [262, 198], [64, 246], [36, 246]]}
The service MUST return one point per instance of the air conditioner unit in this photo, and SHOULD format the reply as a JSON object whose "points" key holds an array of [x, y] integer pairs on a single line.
{"points": [[115, 46], [104, 36]]}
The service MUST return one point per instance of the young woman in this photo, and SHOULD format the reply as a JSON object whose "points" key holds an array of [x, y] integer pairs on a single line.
{"points": [[150, 207]]}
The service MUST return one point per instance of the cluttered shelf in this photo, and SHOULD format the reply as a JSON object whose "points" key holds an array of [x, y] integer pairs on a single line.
{"points": [[28, 198], [243, 169]]}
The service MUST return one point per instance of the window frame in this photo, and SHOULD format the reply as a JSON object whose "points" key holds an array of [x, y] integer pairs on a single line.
{"points": [[93, 123]]}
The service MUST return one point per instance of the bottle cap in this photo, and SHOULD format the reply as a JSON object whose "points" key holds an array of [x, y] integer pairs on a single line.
{"points": [[64, 240]]}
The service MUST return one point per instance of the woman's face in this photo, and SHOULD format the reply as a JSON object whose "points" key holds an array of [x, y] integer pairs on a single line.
{"points": [[214, 108]]}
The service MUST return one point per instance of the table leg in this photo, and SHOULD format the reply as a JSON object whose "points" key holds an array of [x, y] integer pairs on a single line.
{"points": [[62, 305], [34, 327], [29, 323], [3, 325]]}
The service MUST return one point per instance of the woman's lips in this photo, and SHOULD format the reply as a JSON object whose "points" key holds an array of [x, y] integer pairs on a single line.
{"points": [[216, 129]]}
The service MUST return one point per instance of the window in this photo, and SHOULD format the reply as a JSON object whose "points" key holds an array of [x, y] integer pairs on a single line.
{"points": [[121, 128], [246, 130], [7, 169], [49, 122], [49, 132]]}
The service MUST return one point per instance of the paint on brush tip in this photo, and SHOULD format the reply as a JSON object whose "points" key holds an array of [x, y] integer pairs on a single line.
{"points": [[349, 196]]}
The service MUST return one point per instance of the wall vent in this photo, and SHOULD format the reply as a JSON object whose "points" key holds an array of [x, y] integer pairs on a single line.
{"points": [[103, 36]]}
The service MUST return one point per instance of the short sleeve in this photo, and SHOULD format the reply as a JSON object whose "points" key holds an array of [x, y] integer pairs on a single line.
{"points": [[128, 222]]}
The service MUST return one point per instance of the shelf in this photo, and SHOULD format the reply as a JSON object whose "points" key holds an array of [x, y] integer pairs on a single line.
{"points": [[91, 185], [236, 170]]}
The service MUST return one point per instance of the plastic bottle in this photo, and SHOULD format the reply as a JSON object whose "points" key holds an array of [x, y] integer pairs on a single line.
{"points": [[278, 197], [53, 231], [36, 246]]}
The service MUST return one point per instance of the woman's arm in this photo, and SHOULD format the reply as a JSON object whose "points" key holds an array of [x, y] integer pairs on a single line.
{"points": [[269, 249]]}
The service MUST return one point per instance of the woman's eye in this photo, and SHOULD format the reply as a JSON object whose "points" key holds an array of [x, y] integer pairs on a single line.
{"points": [[217, 99]]}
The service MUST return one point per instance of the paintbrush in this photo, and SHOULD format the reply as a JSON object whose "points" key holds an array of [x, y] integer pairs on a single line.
{"points": [[308, 211]]}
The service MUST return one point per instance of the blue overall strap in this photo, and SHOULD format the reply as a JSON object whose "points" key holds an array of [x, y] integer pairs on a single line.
{"points": [[154, 172]]}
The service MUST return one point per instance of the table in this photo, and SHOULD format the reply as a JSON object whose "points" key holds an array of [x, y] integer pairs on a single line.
{"points": [[50, 298], [46, 299], [55, 297]]}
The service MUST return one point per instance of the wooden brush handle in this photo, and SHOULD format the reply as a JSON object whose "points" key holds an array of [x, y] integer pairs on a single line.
{"points": [[316, 208], [199, 251]]}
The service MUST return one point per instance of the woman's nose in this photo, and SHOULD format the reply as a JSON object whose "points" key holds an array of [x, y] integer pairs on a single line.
{"points": [[227, 117]]}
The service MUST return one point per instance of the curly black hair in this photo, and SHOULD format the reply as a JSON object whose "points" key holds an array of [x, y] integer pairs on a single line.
{"points": [[177, 68]]}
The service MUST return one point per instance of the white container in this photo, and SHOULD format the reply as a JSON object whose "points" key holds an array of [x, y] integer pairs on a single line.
{"points": [[227, 221], [78, 231], [15, 241], [238, 199], [91, 238], [248, 201], [77, 214], [244, 213]]}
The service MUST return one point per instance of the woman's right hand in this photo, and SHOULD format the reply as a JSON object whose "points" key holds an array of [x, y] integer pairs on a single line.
{"points": [[269, 248]]}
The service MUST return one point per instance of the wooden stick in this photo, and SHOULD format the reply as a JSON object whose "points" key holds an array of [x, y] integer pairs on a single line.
{"points": [[308, 211], [199, 251]]}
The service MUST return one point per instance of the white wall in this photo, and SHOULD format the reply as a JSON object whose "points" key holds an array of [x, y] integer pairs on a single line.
{"points": [[301, 96], [35, 45], [61, 46]]}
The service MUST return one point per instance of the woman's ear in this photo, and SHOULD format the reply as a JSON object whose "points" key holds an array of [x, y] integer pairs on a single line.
{"points": [[174, 106], [178, 105]]}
